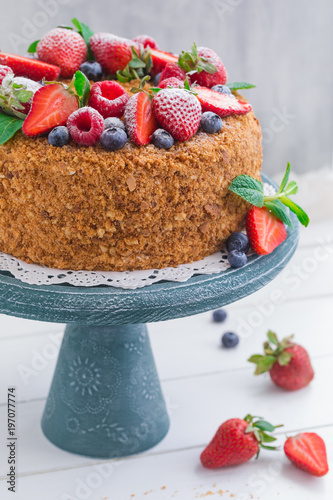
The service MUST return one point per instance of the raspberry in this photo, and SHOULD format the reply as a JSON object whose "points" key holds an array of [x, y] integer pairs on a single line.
{"points": [[5, 70], [85, 126], [172, 82], [109, 98]]}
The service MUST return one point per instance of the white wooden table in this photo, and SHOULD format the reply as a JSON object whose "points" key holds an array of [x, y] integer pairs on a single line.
{"points": [[203, 386]]}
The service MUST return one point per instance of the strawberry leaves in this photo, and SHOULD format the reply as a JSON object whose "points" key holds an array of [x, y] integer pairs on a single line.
{"points": [[9, 125], [260, 429], [274, 352], [252, 191], [191, 62], [12, 96]]}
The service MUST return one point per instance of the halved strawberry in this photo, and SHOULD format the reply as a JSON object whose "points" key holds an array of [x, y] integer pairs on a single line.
{"points": [[307, 451], [265, 231], [139, 118], [160, 59], [221, 104], [30, 68], [51, 106]]}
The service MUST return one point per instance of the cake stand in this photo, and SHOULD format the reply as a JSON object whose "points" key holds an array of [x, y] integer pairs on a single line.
{"points": [[105, 399]]}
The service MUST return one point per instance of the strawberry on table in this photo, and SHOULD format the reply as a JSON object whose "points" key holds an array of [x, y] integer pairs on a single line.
{"points": [[264, 230], [139, 118], [112, 52], [30, 68], [237, 441], [51, 107], [221, 104], [307, 451], [63, 47], [288, 363], [109, 98], [204, 65], [178, 111], [160, 59]]}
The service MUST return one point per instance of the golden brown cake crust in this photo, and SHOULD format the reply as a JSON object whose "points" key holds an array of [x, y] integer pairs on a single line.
{"points": [[138, 208]]}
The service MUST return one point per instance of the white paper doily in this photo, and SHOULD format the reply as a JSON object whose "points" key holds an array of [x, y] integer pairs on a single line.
{"points": [[38, 275]]}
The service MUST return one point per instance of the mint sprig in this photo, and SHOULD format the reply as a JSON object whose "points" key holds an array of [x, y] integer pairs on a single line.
{"points": [[82, 87], [240, 85], [33, 47], [9, 125], [252, 191]]}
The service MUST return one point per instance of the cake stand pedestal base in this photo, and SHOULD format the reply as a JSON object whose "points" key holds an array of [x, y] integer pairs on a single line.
{"points": [[105, 399]]}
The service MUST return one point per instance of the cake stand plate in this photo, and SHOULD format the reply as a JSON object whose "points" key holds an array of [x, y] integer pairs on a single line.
{"points": [[105, 399]]}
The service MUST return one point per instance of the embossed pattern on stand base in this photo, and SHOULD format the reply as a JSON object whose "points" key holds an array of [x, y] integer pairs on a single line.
{"points": [[105, 400]]}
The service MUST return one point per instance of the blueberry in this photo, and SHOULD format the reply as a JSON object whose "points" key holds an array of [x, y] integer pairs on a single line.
{"points": [[157, 79], [59, 136], [113, 139], [237, 259], [219, 315], [223, 89], [211, 122], [162, 139], [92, 70], [230, 339], [113, 122], [238, 241]]}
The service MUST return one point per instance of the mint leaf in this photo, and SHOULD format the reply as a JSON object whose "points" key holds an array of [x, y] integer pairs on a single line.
{"points": [[86, 34], [240, 85], [301, 214], [280, 211], [291, 188], [249, 189], [82, 87], [9, 125], [285, 178], [33, 47]]}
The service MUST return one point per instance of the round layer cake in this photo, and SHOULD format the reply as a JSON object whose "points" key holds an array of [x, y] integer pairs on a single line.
{"points": [[137, 208]]}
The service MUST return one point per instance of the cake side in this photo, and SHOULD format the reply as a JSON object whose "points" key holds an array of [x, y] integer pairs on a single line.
{"points": [[137, 208]]}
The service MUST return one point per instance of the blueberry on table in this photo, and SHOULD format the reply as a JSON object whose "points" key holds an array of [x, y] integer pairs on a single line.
{"points": [[162, 139], [238, 241], [223, 89], [59, 136], [113, 122], [237, 259], [211, 122], [219, 315], [92, 70], [113, 139], [230, 339]]}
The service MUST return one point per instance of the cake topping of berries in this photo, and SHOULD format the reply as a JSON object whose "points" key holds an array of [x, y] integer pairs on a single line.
{"points": [[211, 122], [265, 231], [171, 82], [113, 138], [51, 107], [146, 41], [288, 363], [5, 70], [30, 68], [178, 111], [16, 94], [307, 451], [59, 137], [113, 122], [85, 126], [109, 98], [221, 104], [139, 118], [64, 48], [237, 441], [172, 70], [160, 59], [92, 70], [204, 66], [162, 139], [112, 52]]}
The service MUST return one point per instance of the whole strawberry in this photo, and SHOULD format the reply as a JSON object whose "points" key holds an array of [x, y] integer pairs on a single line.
{"points": [[64, 48], [237, 441], [307, 451], [178, 111], [172, 70], [146, 41], [171, 82], [204, 65], [112, 52], [288, 363], [5, 70]]}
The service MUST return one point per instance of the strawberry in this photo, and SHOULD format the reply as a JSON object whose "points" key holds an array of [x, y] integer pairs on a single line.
{"points": [[160, 59], [172, 70], [109, 98], [265, 230], [5, 70], [16, 95], [63, 47], [30, 86], [171, 82], [146, 41], [204, 65], [51, 106], [288, 364], [30, 68], [178, 111], [221, 104], [112, 52], [307, 451], [237, 441], [139, 118]]}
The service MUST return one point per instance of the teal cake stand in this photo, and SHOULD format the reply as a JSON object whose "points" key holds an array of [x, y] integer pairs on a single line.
{"points": [[105, 399]]}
